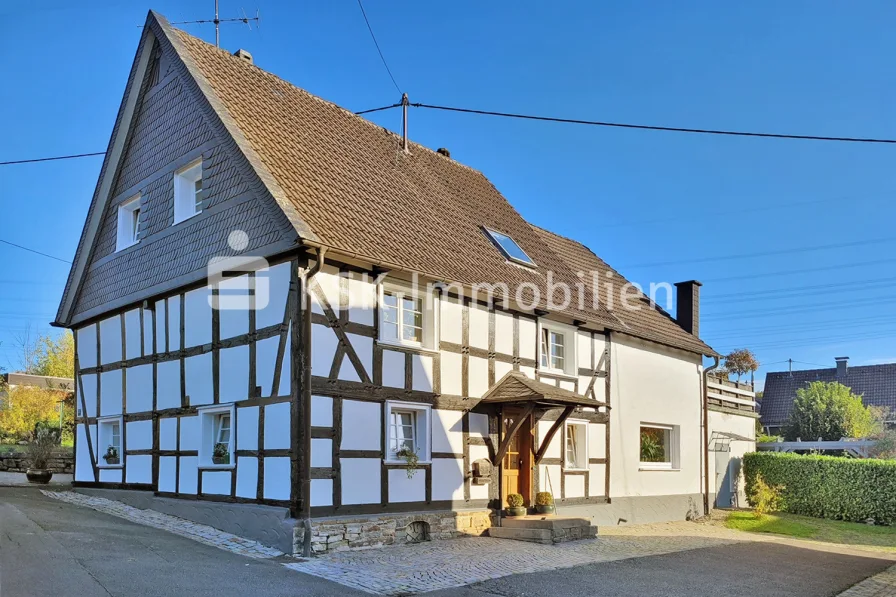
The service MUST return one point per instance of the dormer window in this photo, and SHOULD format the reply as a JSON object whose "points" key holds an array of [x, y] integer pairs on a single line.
{"points": [[188, 192], [508, 247], [128, 223]]}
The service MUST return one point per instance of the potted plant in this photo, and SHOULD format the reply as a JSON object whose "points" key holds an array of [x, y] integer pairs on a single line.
{"points": [[39, 452], [221, 454], [544, 502], [515, 505], [111, 456], [411, 459]]}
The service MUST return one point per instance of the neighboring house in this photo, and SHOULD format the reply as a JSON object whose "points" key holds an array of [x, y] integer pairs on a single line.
{"points": [[320, 411], [876, 384], [9, 381]]}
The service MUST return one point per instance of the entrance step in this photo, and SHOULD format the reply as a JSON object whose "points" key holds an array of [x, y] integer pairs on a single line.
{"points": [[544, 529]]}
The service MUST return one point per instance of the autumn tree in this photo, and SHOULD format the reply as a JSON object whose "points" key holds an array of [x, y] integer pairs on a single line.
{"points": [[28, 406], [49, 356], [830, 411], [741, 362]]}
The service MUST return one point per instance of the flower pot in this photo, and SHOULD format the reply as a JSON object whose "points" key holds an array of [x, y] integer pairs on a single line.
{"points": [[546, 509], [516, 511], [38, 475], [220, 459], [110, 460]]}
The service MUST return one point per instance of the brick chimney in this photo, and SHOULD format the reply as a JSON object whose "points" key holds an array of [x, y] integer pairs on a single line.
{"points": [[687, 304], [842, 365]]}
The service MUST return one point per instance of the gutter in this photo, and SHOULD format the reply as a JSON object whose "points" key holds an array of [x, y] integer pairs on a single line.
{"points": [[705, 397], [320, 255]]}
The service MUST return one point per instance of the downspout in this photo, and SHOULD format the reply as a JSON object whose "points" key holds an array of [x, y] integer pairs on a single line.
{"points": [[320, 254], [706, 434]]}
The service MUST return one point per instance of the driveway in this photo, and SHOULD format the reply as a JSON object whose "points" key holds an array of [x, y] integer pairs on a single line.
{"points": [[50, 548]]}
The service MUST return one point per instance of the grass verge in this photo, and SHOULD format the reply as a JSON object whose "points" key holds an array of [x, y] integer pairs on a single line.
{"points": [[878, 538]]}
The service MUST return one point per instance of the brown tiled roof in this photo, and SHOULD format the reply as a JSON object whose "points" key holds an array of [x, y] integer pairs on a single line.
{"points": [[515, 386], [355, 191]]}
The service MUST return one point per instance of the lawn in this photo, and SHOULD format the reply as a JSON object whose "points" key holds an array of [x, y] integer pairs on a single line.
{"points": [[878, 538]]}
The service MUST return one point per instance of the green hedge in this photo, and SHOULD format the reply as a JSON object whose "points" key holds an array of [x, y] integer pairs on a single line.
{"points": [[827, 486]]}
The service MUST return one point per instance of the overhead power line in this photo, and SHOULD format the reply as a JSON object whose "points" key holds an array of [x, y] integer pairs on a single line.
{"points": [[647, 127], [6, 242], [58, 157], [377, 44]]}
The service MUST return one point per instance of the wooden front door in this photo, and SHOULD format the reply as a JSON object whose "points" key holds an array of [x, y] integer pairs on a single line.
{"points": [[516, 468]]}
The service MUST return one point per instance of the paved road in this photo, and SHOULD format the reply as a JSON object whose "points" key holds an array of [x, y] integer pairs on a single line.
{"points": [[53, 549]]}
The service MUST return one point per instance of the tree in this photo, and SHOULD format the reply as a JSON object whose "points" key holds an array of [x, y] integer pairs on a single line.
{"points": [[741, 362], [53, 357], [830, 411], [29, 406]]}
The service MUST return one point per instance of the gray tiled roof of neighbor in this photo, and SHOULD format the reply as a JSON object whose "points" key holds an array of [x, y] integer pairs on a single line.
{"points": [[875, 383]]}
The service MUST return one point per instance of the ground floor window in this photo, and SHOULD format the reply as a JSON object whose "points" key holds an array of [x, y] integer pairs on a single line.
{"points": [[216, 442], [408, 431], [576, 445], [658, 447], [109, 446]]}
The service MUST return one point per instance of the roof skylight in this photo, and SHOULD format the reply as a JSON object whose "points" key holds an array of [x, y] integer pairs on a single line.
{"points": [[509, 247]]}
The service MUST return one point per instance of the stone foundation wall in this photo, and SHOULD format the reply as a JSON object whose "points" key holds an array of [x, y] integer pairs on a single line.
{"points": [[375, 530], [16, 462]]}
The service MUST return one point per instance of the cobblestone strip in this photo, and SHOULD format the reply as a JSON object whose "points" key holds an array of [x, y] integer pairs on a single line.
{"points": [[191, 530], [879, 585], [457, 562]]}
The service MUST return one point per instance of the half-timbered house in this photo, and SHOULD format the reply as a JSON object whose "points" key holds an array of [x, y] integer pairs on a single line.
{"points": [[401, 402]]}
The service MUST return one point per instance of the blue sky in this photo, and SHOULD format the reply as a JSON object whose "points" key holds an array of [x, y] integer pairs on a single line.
{"points": [[636, 198]]}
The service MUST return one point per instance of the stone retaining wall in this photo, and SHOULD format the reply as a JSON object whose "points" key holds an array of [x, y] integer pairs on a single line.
{"points": [[17, 462], [343, 533]]}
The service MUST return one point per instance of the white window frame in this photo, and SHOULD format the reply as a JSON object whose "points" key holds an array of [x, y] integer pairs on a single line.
{"points": [[581, 449], [570, 345], [103, 433], [208, 430], [673, 457], [185, 191], [422, 431], [128, 231], [430, 305]]}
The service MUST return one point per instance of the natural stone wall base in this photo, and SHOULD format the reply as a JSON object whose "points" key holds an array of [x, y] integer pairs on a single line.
{"points": [[375, 530], [16, 462]]}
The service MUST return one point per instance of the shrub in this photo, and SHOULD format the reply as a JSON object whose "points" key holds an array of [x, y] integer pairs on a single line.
{"points": [[827, 486], [544, 498], [514, 500], [41, 449], [763, 497]]}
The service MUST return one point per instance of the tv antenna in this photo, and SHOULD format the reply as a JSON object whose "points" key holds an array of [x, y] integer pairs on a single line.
{"points": [[217, 21]]}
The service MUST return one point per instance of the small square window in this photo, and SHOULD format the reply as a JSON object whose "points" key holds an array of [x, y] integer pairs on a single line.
{"points": [[408, 429], [557, 348], [406, 317], [508, 247], [216, 429], [128, 223], [576, 445], [658, 447], [552, 349], [109, 446], [188, 192]]}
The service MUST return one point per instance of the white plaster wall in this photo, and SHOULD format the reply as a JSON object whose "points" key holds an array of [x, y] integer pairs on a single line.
{"points": [[583, 351], [361, 426], [138, 381], [161, 328], [276, 426], [403, 489], [451, 373], [393, 369], [552, 470], [528, 334], [478, 425], [652, 384], [110, 392], [276, 478], [597, 440], [168, 385], [503, 333], [364, 349], [83, 467], [199, 383], [189, 473], [87, 346], [502, 369], [360, 480], [447, 431], [321, 492], [189, 433], [139, 436], [478, 326], [110, 340], [265, 363], [148, 334], [553, 450], [110, 475], [168, 434], [233, 322], [528, 371], [739, 425], [597, 479], [132, 335], [421, 373], [90, 393], [168, 473], [174, 339], [247, 428], [197, 317], [247, 477], [362, 300], [216, 482], [447, 479], [321, 453], [450, 317], [567, 385], [139, 468], [323, 348], [328, 280], [278, 283], [233, 372], [321, 411], [478, 492], [478, 376]]}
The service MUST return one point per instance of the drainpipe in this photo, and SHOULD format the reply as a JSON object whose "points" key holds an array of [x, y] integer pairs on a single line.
{"points": [[306, 401], [706, 435]]}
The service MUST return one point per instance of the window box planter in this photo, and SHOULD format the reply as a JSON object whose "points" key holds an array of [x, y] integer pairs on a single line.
{"points": [[221, 454]]}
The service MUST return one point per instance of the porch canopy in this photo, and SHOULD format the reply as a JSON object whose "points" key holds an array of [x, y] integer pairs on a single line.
{"points": [[532, 396]]}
